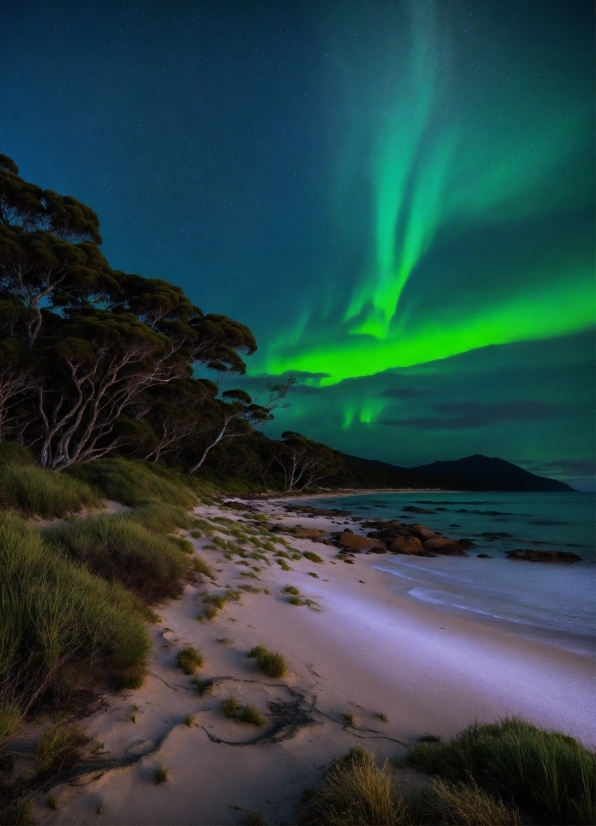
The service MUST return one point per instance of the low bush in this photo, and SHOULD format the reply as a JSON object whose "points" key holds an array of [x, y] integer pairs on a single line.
{"points": [[356, 792], [270, 663], [549, 776], [10, 722], [161, 774], [458, 804], [230, 708], [159, 517], [313, 557], [296, 601], [117, 548], [55, 615], [60, 746], [201, 566], [189, 659], [290, 589], [252, 714], [34, 491], [135, 483]]}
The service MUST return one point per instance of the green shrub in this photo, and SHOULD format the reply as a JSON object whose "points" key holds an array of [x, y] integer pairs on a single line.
{"points": [[290, 589], [135, 483], [60, 746], [161, 774], [549, 776], [356, 792], [210, 611], [313, 557], [37, 492], [252, 714], [18, 814], [230, 707], [270, 663], [458, 804], [54, 614], [218, 600], [189, 659], [10, 722], [158, 517], [118, 548], [201, 566], [296, 601]]}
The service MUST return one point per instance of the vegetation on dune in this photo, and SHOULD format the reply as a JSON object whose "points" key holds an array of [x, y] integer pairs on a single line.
{"points": [[270, 663], [60, 746], [509, 772], [189, 659], [119, 548], [54, 616], [549, 775]]}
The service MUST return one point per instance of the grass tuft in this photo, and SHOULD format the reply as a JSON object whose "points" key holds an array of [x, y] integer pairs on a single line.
{"points": [[161, 774], [118, 548], [189, 659], [230, 708], [270, 663], [313, 557], [461, 804], [290, 589], [190, 721], [252, 714], [35, 491], [60, 746], [549, 776]]}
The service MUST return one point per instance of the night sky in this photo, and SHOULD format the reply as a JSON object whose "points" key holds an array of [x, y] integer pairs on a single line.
{"points": [[397, 197]]}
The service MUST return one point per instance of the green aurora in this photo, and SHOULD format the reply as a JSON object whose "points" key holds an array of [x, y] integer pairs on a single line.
{"points": [[438, 171]]}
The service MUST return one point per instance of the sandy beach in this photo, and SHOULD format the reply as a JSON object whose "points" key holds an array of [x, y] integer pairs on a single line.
{"points": [[361, 648]]}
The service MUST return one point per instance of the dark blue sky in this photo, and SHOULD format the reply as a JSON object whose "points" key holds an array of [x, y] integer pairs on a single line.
{"points": [[397, 195]]}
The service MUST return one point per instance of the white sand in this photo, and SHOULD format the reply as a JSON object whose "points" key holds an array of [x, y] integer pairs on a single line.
{"points": [[368, 650]]}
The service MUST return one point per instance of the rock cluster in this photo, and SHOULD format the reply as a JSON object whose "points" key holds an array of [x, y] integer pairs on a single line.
{"points": [[399, 538], [543, 556]]}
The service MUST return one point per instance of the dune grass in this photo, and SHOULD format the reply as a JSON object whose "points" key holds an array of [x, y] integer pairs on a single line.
{"points": [[460, 804], [118, 548], [189, 659], [201, 566], [549, 776], [60, 746], [355, 791], [17, 814], [33, 491], [252, 715], [230, 708], [270, 663], [162, 774], [135, 483], [159, 517], [55, 615], [313, 557], [10, 722], [291, 589]]}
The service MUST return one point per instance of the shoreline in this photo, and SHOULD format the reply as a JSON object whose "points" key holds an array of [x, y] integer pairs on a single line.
{"points": [[361, 649]]}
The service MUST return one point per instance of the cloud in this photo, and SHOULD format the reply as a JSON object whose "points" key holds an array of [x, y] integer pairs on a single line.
{"points": [[565, 467], [472, 414]]}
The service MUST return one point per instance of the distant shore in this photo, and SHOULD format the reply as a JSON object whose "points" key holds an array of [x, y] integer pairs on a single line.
{"points": [[361, 648]]}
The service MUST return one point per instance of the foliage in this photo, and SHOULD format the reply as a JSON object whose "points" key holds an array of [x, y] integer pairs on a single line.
{"points": [[549, 775], [54, 615], [60, 746], [252, 715], [37, 492], [118, 548], [189, 659], [270, 663]]}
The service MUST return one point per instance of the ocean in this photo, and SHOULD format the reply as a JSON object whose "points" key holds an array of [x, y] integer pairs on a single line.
{"points": [[552, 602]]}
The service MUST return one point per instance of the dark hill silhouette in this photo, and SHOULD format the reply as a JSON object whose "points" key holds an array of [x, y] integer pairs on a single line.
{"points": [[492, 472]]}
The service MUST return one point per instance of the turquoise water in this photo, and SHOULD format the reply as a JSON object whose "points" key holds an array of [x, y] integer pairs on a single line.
{"points": [[553, 602]]}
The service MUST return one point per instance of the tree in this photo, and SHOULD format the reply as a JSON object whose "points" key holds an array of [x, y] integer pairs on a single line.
{"points": [[302, 461]]}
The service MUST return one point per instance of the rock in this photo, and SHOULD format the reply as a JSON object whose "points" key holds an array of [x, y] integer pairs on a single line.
{"points": [[422, 532], [414, 509], [483, 556], [406, 545], [543, 556], [447, 547], [349, 561], [362, 543]]}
